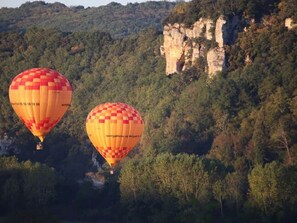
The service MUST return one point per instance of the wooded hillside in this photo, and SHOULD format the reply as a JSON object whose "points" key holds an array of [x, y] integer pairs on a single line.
{"points": [[213, 150], [114, 18]]}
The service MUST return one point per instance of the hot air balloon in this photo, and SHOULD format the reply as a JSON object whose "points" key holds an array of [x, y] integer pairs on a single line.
{"points": [[114, 129], [40, 97]]}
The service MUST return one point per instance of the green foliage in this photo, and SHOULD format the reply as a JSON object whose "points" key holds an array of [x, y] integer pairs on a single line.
{"points": [[260, 140], [39, 184], [189, 13], [25, 184], [181, 180], [32, 216], [12, 194], [268, 192], [116, 19], [242, 123], [195, 122], [288, 9]]}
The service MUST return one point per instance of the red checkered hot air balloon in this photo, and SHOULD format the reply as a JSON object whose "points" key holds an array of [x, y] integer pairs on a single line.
{"points": [[114, 129], [40, 97]]}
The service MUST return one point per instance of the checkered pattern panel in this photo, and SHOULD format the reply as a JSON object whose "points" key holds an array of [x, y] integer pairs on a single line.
{"points": [[45, 124], [36, 78], [115, 113], [117, 153]]}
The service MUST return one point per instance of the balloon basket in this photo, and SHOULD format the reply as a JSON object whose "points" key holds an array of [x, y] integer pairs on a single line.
{"points": [[39, 146]]}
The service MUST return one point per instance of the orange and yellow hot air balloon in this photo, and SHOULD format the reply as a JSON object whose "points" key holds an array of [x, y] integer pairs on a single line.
{"points": [[114, 129], [40, 97]]}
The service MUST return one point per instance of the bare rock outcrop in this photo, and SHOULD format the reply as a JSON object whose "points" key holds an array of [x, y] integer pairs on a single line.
{"points": [[184, 46], [290, 24], [215, 60]]}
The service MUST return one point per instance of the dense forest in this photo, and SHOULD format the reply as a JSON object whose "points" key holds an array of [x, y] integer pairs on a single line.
{"points": [[114, 18], [213, 150]]}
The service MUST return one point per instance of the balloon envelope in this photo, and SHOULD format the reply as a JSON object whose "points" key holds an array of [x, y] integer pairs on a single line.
{"points": [[40, 97], [114, 129]]}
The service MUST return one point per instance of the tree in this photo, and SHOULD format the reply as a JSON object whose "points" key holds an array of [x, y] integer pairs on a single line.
{"points": [[12, 193], [265, 187], [131, 182], [236, 187], [283, 137], [219, 193], [137, 181], [259, 138], [39, 184], [222, 149]]}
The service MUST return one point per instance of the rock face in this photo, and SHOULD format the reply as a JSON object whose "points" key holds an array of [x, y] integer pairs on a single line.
{"points": [[290, 24], [183, 47], [215, 60]]}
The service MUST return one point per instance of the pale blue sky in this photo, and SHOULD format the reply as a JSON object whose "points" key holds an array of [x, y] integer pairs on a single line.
{"points": [[85, 3]]}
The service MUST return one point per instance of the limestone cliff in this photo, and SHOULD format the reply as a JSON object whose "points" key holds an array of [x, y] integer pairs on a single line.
{"points": [[183, 47], [290, 23]]}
